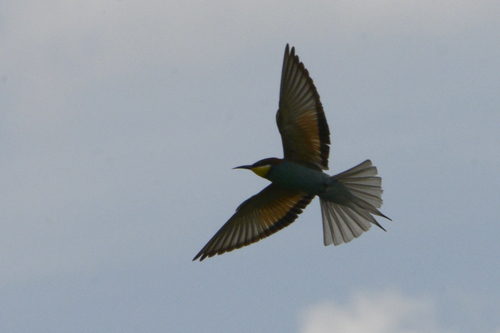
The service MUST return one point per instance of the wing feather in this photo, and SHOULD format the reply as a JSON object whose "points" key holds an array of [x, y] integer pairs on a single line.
{"points": [[300, 118], [258, 217]]}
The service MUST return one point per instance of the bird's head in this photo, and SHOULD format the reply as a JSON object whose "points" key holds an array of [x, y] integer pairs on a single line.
{"points": [[262, 167]]}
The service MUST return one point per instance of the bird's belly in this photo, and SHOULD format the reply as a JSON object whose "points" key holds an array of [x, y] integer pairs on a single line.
{"points": [[297, 177]]}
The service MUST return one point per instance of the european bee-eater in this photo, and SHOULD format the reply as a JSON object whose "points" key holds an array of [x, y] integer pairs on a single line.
{"points": [[348, 200]]}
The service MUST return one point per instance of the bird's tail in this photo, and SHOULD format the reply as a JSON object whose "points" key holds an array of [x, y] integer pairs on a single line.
{"points": [[347, 207]]}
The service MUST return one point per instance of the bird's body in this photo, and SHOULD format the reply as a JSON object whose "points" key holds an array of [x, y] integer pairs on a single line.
{"points": [[348, 200], [295, 176]]}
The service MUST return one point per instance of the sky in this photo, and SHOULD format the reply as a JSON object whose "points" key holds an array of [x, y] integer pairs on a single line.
{"points": [[120, 122]]}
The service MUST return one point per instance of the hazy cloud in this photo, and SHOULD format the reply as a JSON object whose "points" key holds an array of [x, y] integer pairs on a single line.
{"points": [[374, 312]]}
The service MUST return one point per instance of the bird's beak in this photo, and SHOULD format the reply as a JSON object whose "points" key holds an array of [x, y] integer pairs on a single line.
{"points": [[249, 167]]}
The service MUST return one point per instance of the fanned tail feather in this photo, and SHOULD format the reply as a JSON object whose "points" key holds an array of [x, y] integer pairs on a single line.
{"points": [[348, 218]]}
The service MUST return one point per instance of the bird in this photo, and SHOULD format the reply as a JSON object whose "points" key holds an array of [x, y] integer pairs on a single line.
{"points": [[348, 200]]}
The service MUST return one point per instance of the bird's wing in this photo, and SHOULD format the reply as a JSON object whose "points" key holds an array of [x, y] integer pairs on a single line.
{"points": [[270, 210], [300, 118]]}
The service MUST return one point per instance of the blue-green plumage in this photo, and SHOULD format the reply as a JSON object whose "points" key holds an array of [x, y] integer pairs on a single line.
{"points": [[298, 177]]}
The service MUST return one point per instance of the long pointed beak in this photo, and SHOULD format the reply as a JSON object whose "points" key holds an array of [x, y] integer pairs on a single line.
{"points": [[249, 167]]}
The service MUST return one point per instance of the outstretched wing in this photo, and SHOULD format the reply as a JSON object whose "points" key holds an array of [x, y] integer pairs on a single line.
{"points": [[270, 210], [300, 118]]}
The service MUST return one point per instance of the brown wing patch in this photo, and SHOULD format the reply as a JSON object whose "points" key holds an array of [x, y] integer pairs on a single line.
{"points": [[300, 118], [269, 211]]}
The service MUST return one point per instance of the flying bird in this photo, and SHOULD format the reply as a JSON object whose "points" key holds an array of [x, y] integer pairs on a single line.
{"points": [[348, 200]]}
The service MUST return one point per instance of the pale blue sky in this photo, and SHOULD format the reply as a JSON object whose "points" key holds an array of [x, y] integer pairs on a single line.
{"points": [[120, 122]]}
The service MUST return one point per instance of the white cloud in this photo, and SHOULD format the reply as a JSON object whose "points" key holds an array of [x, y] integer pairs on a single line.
{"points": [[374, 312]]}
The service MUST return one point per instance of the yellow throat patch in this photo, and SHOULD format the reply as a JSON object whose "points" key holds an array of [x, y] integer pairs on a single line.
{"points": [[262, 170]]}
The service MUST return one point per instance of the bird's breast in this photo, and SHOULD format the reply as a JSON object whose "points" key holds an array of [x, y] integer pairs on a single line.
{"points": [[298, 177]]}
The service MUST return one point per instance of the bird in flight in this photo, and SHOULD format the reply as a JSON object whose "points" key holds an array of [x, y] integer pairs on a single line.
{"points": [[348, 200]]}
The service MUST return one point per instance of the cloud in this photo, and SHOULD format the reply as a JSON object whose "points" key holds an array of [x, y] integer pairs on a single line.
{"points": [[374, 312]]}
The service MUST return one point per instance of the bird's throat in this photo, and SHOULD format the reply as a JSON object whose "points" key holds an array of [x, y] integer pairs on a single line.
{"points": [[262, 170]]}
